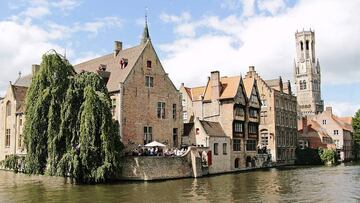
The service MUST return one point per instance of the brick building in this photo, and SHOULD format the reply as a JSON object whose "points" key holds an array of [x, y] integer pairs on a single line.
{"points": [[145, 102], [339, 129], [235, 105], [278, 117]]}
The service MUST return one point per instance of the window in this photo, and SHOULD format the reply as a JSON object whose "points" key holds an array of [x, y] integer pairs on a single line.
{"points": [[253, 113], [184, 115], [20, 120], [250, 145], [113, 106], [149, 81], [336, 132], [216, 150], [224, 148], [264, 103], [253, 128], [239, 111], [161, 110], [20, 141], [148, 64], [7, 138], [302, 85], [237, 163], [238, 127], [324, 122], [8, 108], [307, 44], [175, 136], [174, 111], [301, 45], [197, 131], [264, 139], [236, 144], [147, 134]]}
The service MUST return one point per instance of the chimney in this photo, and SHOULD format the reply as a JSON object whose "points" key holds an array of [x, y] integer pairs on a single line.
{"points": [[329, 110], [304, 124], [252, 68], [117, 47], [34, 69], [215, 85]]}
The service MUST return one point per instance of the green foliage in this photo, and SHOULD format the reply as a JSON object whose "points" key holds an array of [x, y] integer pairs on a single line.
{"points": [[328, 156], [356, 133], [69, 129], [13, 162], [307, 156], [43, 102]]}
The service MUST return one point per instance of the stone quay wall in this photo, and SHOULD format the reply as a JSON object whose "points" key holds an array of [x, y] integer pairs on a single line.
{"points": [[160, 167]]}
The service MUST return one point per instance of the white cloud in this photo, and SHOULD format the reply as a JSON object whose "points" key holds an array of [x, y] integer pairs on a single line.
{"points": [[343, 108], [21, 45], [272, 6], [36, 12], [85, 57], [248, 7], [66, 4], [268, 42], [184, 17]]}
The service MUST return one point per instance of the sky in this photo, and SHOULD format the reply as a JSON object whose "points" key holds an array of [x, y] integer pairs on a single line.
{"points": [[192, 38]]}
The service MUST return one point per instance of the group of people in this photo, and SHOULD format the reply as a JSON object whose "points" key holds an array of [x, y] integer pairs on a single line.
{"points": [[157, 151]]}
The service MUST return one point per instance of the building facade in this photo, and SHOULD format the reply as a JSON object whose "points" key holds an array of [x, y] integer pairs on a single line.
{"points": [[307, 75], [233, 103], [339, 129], [278, 117], [145, 102]]}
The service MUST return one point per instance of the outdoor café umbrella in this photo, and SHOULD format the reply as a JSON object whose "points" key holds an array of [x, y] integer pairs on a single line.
{"points": [[154, 144]]}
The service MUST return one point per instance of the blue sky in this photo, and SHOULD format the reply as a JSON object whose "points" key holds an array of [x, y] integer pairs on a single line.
{"points": [[192, 37]]}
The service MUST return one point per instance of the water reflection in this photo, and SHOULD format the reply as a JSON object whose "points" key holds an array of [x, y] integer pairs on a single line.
{"points": [[291, 184]]}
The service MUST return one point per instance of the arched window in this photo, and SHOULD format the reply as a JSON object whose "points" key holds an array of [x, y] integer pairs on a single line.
{"points": [[307, 44], [237, 163], [301, 45], [8, 108]]}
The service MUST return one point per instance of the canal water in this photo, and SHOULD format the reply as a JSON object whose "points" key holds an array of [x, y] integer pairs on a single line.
{"points": [[289, 184]]}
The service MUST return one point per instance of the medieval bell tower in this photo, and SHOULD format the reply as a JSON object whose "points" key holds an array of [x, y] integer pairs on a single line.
{"points": [[307, 75]]}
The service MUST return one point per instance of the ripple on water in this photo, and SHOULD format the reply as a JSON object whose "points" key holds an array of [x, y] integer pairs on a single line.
{"points": [[289, 184]]}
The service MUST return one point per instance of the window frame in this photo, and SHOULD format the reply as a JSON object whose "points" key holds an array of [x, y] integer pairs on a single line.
{"points": [[236, 145], [149, 81], [250, 146], [161, 110], [147, 134], [216, 148]]}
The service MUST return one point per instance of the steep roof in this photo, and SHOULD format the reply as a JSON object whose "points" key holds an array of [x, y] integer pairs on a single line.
{"points": [[248, 84], [24, 81], [117, 74], [188, 129], [273, 82], [213, 129], [195, 93], [19, 92], [344, 125], [229, 87]]}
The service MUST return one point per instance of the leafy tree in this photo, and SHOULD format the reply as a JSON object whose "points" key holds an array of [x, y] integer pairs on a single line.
{"points": [[69, 129], [328, 156], [356, 133], [43, 105]]}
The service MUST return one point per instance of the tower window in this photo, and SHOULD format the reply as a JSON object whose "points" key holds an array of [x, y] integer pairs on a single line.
{"points": [[301, 45], [148, 64], [303, 85], [307, 44]]}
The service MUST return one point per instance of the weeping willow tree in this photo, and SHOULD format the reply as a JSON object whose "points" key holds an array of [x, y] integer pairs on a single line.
{"points": [[43, 106], [69, 129], [93, 147]]}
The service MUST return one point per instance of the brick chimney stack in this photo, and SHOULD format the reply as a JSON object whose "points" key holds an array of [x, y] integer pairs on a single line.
{"points": [[117, 47], [34, 69], [215, 85]]}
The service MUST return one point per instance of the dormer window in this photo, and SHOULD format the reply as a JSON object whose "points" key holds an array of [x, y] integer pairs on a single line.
{"points": [[148, 64]]}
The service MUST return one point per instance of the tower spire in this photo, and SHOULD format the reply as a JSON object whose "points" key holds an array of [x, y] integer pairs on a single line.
{"points": [[146, 35]]}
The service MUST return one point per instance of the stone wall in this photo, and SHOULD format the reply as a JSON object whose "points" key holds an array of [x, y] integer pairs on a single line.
{"points": [[159, 167]]}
